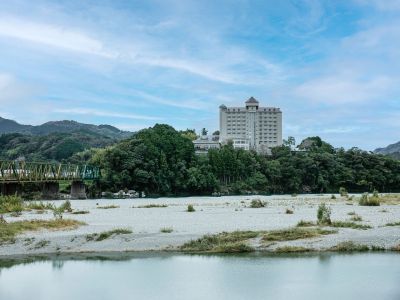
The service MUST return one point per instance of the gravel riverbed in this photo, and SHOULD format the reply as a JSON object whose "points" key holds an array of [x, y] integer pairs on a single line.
{"points": [[213, 215]]}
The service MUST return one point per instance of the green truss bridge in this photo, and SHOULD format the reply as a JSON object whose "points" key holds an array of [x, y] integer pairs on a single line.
{"points": [[13, 174]]}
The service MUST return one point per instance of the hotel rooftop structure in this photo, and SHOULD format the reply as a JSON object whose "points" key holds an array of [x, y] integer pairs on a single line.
{"points": [[251, 127]]}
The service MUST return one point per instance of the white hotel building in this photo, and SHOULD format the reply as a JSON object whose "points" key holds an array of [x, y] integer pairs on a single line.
{"points": [[251, 127]]}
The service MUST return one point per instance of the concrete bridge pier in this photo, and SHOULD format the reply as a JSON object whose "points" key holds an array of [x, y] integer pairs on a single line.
{"points": [[50, 190], [78, 190], [8, 189]]}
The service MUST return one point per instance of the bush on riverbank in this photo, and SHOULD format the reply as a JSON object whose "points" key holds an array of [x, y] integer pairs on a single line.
{"points": [[11, 204], [367, 200], [190, 208], [324, 214], [257, 203]]}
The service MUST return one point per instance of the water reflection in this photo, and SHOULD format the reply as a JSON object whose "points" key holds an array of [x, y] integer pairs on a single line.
{"points": [[177, 276]]}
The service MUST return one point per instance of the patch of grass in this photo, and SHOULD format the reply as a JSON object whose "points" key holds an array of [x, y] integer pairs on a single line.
{"points": [[303, 223], [190, 208], [107, 234], [390, 199], [349, 246], [352, 213], [108, 206], [166, 229], [294, 234], [10, 204], [225, 242], [8, 231], [80, 212], [393, 224], [346, 224], [152, 206], [257, 203], [39, 205], [289, 211], [333, 197], [292, 249], [356, 218], [367, 200]]}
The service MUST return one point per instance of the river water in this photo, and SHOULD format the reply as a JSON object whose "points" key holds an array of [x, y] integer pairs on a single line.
{"points": [[177, 276]]}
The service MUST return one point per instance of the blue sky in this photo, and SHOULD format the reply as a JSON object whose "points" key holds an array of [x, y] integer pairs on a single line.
{"points": [[333, 67]]}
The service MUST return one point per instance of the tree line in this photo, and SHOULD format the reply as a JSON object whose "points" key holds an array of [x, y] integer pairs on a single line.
{"points": [[162, 161]]}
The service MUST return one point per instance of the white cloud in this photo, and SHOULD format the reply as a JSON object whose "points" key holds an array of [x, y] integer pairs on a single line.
{"points": [[102, 113], [51, 35], [343, 88]]}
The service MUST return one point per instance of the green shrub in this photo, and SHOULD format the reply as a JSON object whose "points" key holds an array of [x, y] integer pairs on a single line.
{"points": [[10, 204], [190, 208], [66, 206], [343, 192], [366, 200], [324, 214], [333, 197], [257, 203]]}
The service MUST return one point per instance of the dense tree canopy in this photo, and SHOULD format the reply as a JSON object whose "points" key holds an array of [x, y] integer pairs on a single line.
{"points": [[160, 160]]}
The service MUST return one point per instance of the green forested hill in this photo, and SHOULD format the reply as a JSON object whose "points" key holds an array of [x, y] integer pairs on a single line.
{"points": [[66, 126], [50, 147]]}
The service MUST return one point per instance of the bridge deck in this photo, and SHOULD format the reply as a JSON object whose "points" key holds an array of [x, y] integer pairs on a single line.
{"points": [[21, 171]]}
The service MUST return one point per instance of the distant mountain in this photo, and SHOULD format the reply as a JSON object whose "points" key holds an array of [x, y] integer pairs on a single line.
{"points": [[392, 150], [54, 141], [10, 126]]}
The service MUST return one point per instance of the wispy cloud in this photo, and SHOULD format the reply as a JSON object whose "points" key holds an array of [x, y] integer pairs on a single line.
{"points": [[51, 35]]}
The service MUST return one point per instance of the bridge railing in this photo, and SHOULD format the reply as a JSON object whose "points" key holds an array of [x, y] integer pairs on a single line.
{"points": [[22, 171]]}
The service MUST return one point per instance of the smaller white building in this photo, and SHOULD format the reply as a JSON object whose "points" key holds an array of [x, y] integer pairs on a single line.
{"points": [[205, 143]]}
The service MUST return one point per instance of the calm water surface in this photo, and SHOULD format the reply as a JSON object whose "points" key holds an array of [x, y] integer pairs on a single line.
{"points": [[354, 276]]}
